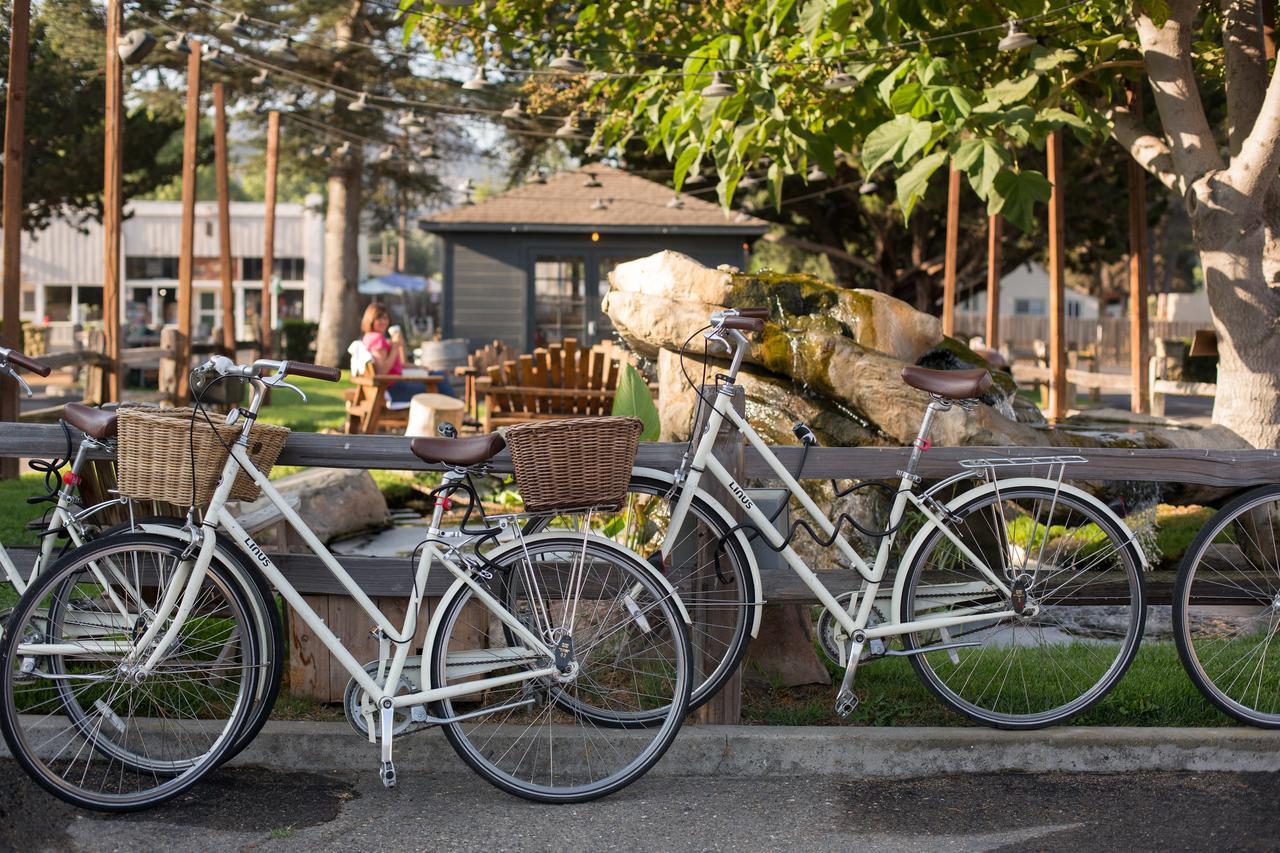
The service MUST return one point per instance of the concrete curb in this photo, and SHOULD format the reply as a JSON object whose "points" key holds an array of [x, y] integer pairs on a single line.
{"points": [[757, 751]]}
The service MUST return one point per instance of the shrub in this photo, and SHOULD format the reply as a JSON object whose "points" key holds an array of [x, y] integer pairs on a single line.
{"points": [[299, 339]]}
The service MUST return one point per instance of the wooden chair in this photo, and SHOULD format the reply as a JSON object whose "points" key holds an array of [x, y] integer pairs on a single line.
{"points": [[368, 411], [560, 381], [475, 376]]}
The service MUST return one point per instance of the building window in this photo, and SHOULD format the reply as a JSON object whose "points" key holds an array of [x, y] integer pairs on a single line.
{"points": [[286, 269], [90, 301], [28, 299], [57, 303], [1073, 308], [208, 315], [559, 299], [136, 268], [1029, 306]]}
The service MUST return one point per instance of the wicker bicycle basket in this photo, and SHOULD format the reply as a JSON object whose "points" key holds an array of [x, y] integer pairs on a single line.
{"points": [[574, 463], [154, 455]]}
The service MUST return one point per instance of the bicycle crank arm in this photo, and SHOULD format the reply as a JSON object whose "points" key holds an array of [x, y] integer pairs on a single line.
{"points": [[941, 647]]}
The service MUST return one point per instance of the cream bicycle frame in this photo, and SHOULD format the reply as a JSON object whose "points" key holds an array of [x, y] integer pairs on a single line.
{"points": [[704, 461]]}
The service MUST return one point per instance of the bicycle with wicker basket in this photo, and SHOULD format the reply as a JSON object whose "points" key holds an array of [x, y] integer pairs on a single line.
{"points": [[1018, 598], [129, 668]]}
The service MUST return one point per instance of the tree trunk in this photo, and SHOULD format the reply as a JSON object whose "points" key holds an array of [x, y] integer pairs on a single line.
{"points": [[339, 322], [1245, 311]]}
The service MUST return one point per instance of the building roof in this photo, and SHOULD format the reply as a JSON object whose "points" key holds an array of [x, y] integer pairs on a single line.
{"points": [[630, 204]]}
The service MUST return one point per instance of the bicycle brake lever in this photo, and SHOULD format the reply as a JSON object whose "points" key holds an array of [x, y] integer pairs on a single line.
{"points": [[21, 382], [280, 383]]}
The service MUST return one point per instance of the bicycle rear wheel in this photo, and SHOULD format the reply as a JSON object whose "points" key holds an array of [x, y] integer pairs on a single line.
{"points": [[542, 738], [1226, 609], [77, 713], [1080, 624]]}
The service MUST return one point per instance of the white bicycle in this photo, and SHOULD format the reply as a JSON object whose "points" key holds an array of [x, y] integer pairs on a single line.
{"points": [[128, 670], [1019, 600]]}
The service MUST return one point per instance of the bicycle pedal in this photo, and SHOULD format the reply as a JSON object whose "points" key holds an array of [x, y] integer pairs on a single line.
{"points": [[846, 703], [387, 772]]}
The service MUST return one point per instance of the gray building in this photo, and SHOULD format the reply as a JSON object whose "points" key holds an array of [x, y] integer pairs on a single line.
{"points": [[531, 265]]}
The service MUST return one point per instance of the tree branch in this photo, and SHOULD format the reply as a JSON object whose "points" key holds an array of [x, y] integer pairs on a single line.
{"points": [[810, 246], [1246, 69], [1253, 170], [1167, 52], [1150, 151]]}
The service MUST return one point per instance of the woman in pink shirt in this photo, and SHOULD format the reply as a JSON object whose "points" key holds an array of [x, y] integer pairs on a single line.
{"points": [[388, 354]]}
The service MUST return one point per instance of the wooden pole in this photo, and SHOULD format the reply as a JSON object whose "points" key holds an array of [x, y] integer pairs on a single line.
{"points": [[269, 231], [1139, 275], [995, 267], [1058, 402], [112, 203], [190, 140], [15, 110], [224, 219], [952, 250], [1268, 28]]}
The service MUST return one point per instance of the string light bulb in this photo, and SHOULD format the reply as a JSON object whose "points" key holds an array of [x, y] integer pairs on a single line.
{"points": [[676, 202], [595, 149], [478, 81], [180, 44], [238, 26], [840, 80], [599, 204], [387, 154], [320, 150], [343, 150], [719, 87], [567, 63], [816, 174], [410, 121], [360, 104], [214, 58], [868, 187], [515, 112], [427, 152], [1016, 39], [283, 50], [569, 128], [260, 78], [539, 176], [134, 46]]}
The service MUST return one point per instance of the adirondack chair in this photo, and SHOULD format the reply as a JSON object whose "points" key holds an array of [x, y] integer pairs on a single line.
{"points": [[560, 381], [475, 376], [368, 408]]}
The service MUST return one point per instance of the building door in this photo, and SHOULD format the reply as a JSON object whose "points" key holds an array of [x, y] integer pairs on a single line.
{"points": [[560, 299]]}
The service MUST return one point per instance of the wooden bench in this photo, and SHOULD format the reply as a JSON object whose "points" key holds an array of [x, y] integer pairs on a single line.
{"points": [[475, 375], [560, 381], [367, 409]]}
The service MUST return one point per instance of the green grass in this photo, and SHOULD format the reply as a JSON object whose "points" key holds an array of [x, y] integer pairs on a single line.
{"points": [[1176, 526], [15, 512], [1154, 692], [324, 409]]}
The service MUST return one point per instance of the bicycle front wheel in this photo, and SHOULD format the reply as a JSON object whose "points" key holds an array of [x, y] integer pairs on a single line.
{"points": [[1226, 608], [79, 714], [623, 652], [1071, 576]]}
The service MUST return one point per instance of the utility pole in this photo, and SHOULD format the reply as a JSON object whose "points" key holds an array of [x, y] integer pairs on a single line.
{"points": [[224, 219], [15, 109], [1139, 275], [190, 140], [951, 253], [1058, 401], [269, 231], [995, 262], [112, 202]]}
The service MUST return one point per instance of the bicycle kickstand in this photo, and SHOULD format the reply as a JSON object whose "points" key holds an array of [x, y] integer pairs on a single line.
{"points": [[387, 770]]}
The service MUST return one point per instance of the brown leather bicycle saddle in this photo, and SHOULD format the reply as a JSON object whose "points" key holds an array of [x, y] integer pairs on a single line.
{"points": [[91, 421], [952, 384], [458, 451]]}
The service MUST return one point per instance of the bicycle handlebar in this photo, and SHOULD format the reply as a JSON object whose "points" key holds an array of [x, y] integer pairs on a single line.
{"points": [[314, 371], [25, 362], [743, 324]]}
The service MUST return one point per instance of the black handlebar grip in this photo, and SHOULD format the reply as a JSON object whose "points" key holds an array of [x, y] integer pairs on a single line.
{"points": [[27, 363], [314, 371], [744, 324], [758, 313]]}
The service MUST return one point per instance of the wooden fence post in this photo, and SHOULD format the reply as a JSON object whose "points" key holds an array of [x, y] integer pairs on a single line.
{"points": [[725, 707]]}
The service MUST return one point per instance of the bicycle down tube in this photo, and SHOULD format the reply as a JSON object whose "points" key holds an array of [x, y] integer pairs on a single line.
{"points": [[705, 461]]}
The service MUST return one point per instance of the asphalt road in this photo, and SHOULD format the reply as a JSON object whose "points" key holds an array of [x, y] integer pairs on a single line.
{"points": [[249, 808]]}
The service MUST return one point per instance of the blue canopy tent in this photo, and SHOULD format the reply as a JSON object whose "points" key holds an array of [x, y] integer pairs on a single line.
{"points": [[393, 283]]}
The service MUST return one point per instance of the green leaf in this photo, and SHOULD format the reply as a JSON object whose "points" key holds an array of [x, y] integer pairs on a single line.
{"points": [[883, 143], [687, 156], [1015, 195], [981, 159], [1012, 91], [904, 97], [633, 399], [1056, 117], [917, 140], [811, 17], [1156, 10], [1046, 60], [913, 183]]}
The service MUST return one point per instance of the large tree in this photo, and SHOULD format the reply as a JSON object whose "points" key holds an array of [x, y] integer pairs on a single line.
{"points": [[925, 86]]}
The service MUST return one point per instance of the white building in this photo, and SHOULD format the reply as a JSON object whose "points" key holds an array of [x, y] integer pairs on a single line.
{"points": [[1025, 292], [62, 268]]}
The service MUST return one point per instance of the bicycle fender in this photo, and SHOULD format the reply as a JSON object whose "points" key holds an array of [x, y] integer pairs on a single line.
{"points": [[917, 543], [730, 521], [456, 588]]}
